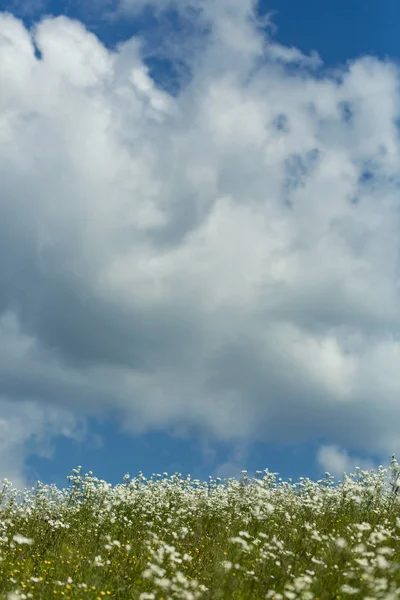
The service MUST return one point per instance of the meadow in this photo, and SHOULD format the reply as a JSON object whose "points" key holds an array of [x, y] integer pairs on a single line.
{"points": [[173, 537]]}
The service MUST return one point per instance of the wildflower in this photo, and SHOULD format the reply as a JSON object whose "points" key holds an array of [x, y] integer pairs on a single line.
{"points": [[20, 539], [245, 534], [162, 582], [382, 562], [347, 589], [239, 540], [98, 561], [187, 557], [148, 573]]}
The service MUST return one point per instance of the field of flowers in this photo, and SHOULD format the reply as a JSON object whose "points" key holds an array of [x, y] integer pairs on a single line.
{"points": [[174, 537]]}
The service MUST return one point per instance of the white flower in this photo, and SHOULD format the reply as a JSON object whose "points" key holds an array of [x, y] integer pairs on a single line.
{"points": [[347, 589], [98, 561], [382, 562], [20, 539], [162, 582], [147, 574]]}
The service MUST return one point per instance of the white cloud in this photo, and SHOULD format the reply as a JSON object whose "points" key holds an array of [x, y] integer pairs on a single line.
{"points": [[197, 261], [235, 464], [293, 55], [27, 427], [337, 462]]}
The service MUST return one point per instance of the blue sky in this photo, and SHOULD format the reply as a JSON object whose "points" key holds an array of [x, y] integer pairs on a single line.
{"points": [[201, 238]]}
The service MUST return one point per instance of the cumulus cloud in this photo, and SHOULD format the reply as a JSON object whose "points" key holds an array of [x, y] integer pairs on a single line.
{"points": [[235, 464], [338, 463], [27, 428], [222, 261]]}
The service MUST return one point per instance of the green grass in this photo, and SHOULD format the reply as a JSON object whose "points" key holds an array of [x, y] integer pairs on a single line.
{"points": [[177, 538]]}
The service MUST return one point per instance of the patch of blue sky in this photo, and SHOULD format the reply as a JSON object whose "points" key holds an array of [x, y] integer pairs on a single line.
{"points": [[297, 168], [111, 453], [281, 123], [346, 111]]}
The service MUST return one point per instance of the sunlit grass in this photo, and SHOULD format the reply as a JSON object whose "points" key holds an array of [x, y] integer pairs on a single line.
{"points": [[176, 538]]}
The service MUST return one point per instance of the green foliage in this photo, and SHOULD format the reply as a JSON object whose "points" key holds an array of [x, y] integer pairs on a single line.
{"points": [[178, 539]]}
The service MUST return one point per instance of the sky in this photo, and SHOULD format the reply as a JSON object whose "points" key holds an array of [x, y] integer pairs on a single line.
{"points": [[199, 215]]}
